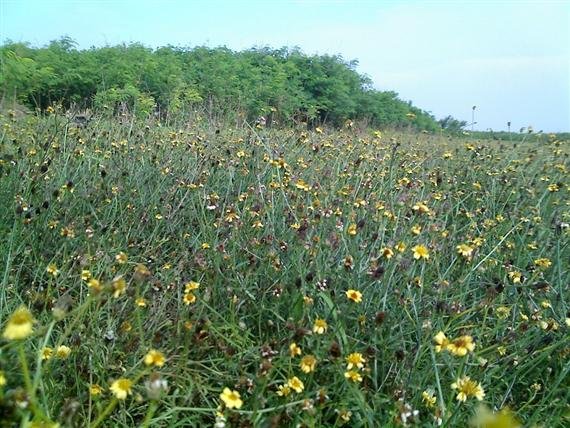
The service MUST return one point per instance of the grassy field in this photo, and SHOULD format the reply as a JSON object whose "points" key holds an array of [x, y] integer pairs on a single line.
{"points": [[188, 276]]}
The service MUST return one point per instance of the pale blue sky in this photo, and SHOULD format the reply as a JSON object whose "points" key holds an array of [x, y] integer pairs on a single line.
{"points": [[509, 58]]}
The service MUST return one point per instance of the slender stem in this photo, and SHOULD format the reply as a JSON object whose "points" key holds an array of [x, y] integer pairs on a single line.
{"points": [[110, 407], [150, 413], [25, 370]]}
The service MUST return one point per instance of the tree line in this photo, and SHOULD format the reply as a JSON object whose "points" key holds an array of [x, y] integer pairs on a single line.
{"points": [[282, 84]]}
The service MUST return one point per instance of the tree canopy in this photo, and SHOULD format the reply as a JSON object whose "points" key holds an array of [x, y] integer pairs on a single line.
{"points": [[283, 83]]}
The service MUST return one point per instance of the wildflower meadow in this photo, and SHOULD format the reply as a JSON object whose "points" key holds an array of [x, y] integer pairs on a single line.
{"points": [[165, 274]]}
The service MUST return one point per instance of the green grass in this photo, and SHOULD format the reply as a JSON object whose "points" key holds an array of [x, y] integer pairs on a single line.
{"points": [[183, 200]]}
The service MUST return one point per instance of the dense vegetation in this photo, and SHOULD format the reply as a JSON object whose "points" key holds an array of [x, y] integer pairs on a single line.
{"points": [[178, 275], [282, 84]]}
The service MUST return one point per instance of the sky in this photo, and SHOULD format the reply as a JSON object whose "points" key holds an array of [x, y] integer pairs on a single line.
{"points": [[510, 59]]}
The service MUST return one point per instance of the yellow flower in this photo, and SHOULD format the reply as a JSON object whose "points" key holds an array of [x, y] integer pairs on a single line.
{"points": [[189, 298], [465, 250], [191, 286], [283, 390], [401, 247], [85, 275], [20, 324], [353, 376], [141, 302], [420, 252], [543, 262], [345, 415], [121, 258], [442, 342], [294, 349], [119, 286], [351, 230], [231, 399], [421, 208], [95, 285], [121, 388], [62, 352], [416, 229], [387, 253], [154, 358], [428, 398], [320, 326], [308, 363], [296, 384], [461, 346], [354, 295], [355, 360], [95, 390], [46, 353], [302, 185], [516, 277], [485, 418], [468, 388], [503, 312], [52, 269], [2, 379]]}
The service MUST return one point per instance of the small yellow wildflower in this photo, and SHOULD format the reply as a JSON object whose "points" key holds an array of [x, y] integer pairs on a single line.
{"points": [[191, 286], [485, 418], [420, 252], [296, 384], [95, 390], [121, 388], [387, 253], [503, 312], [294, 350], [20, 324], [461, 346], [52, 269], [442, 342], [468, 388], [465, 250], [231, 399], [154, 358], [428, 398], [46, 353], [119, 286], [543, 262], [121, 258], [320, 326], [351, 230], [354, 295], [283, 390], [355, 360], [401, 247], [95, 285], [353, 376], [515, 276], [189, 298], [308, 363], [62, 352], [85, 275]]}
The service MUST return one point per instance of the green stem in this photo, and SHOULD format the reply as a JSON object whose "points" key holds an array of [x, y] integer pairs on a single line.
{"points": [[110, 407], [149, 414], [25, 371]]}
